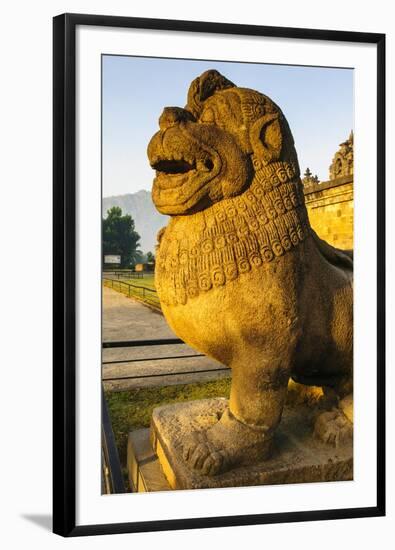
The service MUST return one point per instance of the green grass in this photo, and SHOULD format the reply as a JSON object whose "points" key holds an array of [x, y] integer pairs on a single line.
{"points": [[137, 290], [132, 409], [148, 281]]}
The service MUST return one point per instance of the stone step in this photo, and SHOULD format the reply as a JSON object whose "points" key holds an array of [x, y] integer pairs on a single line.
{"points": [[144, 470]]}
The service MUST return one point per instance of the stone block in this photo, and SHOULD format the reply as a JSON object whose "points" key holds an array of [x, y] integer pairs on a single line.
{"points": [[297, 458]]}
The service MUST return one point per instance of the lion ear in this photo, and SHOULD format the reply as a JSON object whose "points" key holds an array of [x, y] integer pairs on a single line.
{"points": [[266, 138]]}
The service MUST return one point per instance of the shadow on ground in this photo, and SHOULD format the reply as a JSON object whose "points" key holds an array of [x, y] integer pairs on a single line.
{"points": [[42, 520]]}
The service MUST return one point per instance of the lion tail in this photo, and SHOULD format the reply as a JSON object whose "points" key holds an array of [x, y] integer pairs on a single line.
{"points": [[340, 258]]}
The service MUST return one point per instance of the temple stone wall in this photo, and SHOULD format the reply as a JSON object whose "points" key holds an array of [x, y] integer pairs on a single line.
{"points": [[331, 210]]}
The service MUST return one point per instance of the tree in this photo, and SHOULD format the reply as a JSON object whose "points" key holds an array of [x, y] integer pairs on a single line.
{"points": [[138, 257], [150, 258], [120, 237]]}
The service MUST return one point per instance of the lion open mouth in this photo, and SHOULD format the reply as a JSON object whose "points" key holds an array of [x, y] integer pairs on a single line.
{"points": [[175, 170], [172, 166], [182, 166], [181, 179]]}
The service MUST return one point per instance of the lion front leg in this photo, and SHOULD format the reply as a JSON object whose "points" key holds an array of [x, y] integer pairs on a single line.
{"points": [[244, 433]]}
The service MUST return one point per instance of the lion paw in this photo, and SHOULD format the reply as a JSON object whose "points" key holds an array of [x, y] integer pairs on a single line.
{"points": [[200, 455], [333, 428], [227, 444]]}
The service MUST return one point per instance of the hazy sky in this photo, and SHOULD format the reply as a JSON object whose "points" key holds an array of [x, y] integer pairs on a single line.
{"points": [[318, 103]]}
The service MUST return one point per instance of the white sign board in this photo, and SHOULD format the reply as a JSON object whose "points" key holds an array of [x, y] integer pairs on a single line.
{"points": [[112, 259]]}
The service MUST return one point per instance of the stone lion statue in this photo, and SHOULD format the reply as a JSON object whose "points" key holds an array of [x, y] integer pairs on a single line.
{"points": [[240, 273]]}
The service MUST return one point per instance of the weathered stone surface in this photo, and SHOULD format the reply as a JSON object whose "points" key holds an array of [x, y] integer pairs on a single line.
{"points": [[240, 273], [330, 206], [298, 457]]}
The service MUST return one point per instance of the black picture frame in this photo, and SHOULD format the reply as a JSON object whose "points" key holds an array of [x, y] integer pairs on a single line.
{"points": [[64, 273]]}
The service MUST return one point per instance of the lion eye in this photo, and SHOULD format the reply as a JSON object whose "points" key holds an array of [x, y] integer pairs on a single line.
{"points": [[208, 116]]}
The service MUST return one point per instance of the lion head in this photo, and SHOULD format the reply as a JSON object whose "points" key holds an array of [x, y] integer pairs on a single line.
{"points": [[211, 149]]}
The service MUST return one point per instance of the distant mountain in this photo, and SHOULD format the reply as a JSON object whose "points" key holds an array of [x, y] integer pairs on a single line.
{"points": [[147, 219]]}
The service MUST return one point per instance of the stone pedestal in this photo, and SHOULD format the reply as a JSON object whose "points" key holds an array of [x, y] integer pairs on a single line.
{"points": [[298, 457]]}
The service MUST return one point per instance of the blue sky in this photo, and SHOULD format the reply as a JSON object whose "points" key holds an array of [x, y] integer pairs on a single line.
{"points": [[318, 103]]}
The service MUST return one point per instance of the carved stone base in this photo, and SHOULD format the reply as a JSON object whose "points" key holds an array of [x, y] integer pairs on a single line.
{"points": [[298, 457]]}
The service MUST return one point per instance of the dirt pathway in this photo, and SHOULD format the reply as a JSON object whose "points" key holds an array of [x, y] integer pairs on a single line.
{"points": [[128, 319]]}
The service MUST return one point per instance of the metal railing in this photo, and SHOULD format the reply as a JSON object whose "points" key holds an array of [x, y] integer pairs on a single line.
{"points": [[112, 479], [157, 342], [147, 295], [125, 274]]}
